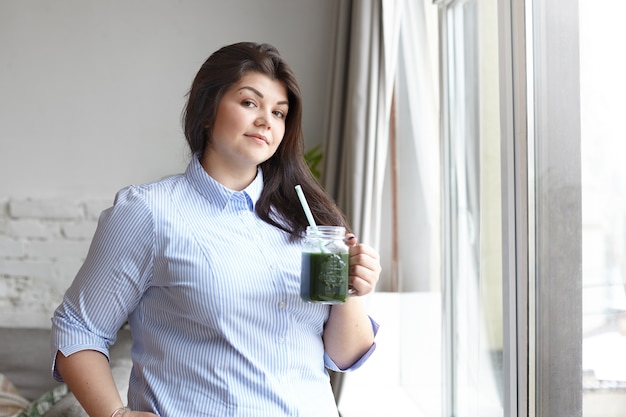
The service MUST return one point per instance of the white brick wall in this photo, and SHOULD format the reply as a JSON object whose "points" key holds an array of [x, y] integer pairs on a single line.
{"points": [[42, 245]]}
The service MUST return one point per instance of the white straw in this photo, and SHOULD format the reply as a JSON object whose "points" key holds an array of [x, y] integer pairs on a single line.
{"points": [[307, 209], [309, 216]]}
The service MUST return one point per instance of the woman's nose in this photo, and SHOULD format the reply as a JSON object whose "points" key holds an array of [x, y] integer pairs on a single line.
{"points": [[262, 120]]}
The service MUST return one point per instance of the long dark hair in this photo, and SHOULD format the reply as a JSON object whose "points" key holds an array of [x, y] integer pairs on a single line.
{"points": [[278, 204]]}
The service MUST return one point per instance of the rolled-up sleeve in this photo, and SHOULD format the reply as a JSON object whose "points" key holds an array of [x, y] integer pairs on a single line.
{"points": [[111, 281]]}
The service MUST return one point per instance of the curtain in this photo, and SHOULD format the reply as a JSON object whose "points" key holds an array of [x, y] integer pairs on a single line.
{"points": [[356, 135], [416, 161], [374, 41], [357, 123], [381, 46]]}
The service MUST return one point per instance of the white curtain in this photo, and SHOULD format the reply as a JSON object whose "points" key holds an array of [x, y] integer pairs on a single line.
{"points": [[382, 45], [415, 189]]}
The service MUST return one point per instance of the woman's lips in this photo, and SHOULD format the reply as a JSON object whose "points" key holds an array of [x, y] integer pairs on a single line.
{"points": [[259, 137]]}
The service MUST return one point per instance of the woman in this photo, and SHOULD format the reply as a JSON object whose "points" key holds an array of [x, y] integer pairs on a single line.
{"points": [[205, 268]]}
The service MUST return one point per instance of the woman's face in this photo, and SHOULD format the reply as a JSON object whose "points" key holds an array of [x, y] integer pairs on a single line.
{"points": [[249, 125]]}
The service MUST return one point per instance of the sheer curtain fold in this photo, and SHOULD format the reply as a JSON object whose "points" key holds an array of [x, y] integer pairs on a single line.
{"points": [[418, 153]]}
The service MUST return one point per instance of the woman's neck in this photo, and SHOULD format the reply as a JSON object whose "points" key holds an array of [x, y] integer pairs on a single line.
{"points": [[229, 176]]}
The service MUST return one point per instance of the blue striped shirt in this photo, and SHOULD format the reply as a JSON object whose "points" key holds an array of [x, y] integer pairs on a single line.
{"points": [[211, 294]]}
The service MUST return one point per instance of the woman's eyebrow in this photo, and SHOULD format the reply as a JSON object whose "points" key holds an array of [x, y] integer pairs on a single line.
{"points": [[258, 93]]}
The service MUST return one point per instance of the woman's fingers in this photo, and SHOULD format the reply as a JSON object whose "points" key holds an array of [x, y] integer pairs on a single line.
{"points": [[364, 268]]}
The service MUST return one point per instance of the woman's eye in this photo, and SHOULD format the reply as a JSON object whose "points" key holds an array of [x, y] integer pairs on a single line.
{"points": [[279, 114], [248, 103]]}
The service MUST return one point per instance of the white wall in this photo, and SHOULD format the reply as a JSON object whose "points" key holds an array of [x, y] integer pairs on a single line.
{"points": [[91, 94]]}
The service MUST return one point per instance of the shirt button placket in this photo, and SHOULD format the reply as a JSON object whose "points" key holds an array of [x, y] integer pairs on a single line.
{"points": [[284, 320]]}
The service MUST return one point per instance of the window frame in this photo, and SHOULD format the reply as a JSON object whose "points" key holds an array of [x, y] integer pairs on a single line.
{"points": [[541, 202], [558, 209]]}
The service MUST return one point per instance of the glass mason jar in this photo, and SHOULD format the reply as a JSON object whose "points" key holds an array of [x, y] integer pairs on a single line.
{"points": [[325, 259]]}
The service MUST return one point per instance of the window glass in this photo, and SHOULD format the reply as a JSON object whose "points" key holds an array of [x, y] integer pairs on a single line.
{"points": [[603, 143], [473, 196]]}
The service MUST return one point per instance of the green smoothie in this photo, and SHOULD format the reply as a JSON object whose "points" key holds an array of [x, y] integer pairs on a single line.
{"points": [[324, 277]]}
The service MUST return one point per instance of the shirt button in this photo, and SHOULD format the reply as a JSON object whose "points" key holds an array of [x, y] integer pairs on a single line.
{"points": [[281, 340], [273, 266], [281, 304]]}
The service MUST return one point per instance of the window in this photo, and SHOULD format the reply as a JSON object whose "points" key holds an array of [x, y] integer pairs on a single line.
{"points": [[604, 208], [473, 210], [512, 157]]}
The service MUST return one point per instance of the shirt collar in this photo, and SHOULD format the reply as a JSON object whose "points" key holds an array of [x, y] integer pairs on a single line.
{"points": [[215, 192]]}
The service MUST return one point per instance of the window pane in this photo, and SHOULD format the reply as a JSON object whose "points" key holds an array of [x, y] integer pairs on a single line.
{"points": [[474, 192], [603, 88]]}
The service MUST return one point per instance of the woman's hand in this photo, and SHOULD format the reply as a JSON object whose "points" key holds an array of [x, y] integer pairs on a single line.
{"points": [[349, 333], [364, 267]]}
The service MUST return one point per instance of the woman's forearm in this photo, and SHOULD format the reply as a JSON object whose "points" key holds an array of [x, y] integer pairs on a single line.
{"points": [[348, 333], [88, 375]]}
